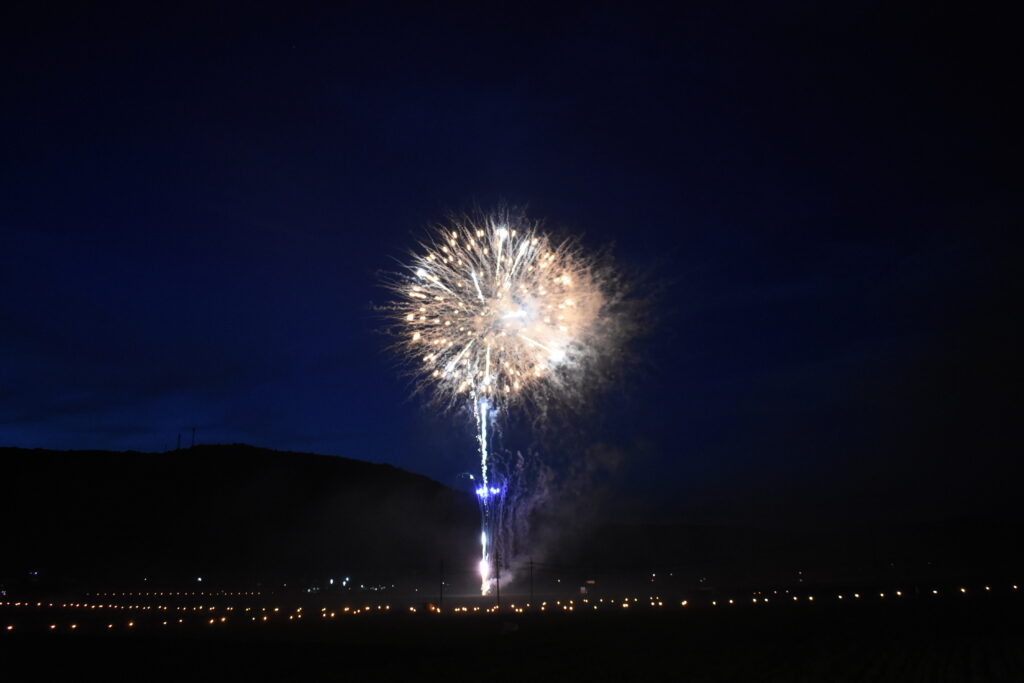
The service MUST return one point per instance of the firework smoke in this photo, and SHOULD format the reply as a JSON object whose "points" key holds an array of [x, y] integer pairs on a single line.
{"points": [[493, 314]]}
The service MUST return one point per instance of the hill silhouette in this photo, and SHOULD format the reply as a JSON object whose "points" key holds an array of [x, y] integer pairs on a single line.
{"points": [[238, 515], [233, 511]]}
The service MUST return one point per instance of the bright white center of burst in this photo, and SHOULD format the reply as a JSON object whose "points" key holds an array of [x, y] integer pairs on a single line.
{"points": [[522, 320]]}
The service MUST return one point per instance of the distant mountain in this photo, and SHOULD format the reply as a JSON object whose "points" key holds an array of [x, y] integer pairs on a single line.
{"points": [[232, 511]]}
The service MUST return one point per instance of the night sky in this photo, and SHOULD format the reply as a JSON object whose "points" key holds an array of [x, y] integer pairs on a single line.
{"points": [[819, 205]]}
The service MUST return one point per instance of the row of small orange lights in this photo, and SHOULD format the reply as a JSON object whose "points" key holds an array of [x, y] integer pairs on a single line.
{"points": [[565, 606], [182, 594]]}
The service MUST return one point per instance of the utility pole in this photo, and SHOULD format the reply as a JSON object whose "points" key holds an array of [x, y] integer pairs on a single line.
{"points": [[440, 592], [531, 581], [497, 576]]}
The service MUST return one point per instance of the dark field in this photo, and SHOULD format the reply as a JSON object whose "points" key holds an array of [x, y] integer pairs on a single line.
{"points": [[977, 636]]}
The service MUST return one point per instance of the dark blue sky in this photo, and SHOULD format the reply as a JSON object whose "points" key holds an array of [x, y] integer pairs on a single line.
{"points": [[195, 205]]}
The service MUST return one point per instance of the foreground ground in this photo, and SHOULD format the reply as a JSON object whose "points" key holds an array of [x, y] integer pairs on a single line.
{"points": [[970, 635]]}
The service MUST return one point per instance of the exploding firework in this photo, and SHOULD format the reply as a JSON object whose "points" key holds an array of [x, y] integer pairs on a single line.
{"points": [[492, 313], [495, 309]]}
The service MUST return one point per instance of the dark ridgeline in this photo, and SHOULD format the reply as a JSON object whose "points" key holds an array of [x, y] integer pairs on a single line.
{"points": [[232, 513], [238, 515]]}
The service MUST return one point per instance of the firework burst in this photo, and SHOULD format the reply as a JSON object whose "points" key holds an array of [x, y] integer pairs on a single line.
{"points": [[493, 313], [495, 309]]}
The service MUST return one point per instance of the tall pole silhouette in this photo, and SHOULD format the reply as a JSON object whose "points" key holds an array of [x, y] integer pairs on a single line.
{"points": [[497, 575]]}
